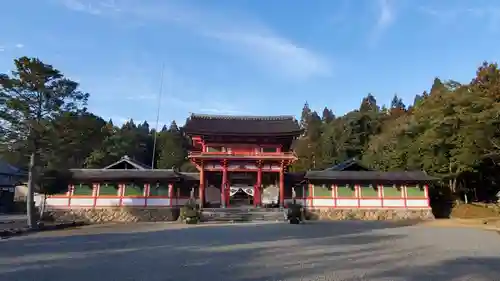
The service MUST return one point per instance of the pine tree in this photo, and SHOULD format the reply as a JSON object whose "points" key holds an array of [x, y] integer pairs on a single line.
{"points": [[173, 127], [30, 98], [304, 117], [327, 115]]}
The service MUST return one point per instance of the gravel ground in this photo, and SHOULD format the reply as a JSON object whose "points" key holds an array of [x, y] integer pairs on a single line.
{"points": [[345, 250], [12, 221]]}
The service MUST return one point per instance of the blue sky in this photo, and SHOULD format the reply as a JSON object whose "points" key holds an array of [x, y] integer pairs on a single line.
{"points": [[251, 57]]}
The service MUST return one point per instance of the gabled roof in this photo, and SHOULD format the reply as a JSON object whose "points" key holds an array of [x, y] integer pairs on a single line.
{"points": [[123, 174], [349, 165], [400, 176], [127, 160], [190, 176], [9, 170], [203, 124]]}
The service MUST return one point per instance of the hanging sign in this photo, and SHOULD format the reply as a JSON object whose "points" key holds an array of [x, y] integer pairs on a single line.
{"points": [[233, 190], [248, 190]]}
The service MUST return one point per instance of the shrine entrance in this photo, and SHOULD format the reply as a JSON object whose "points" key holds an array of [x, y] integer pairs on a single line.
{"points": [[241, 196]]}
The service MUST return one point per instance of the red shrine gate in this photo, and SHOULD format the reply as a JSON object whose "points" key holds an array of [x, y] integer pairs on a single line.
{"points": [[238, 155]]}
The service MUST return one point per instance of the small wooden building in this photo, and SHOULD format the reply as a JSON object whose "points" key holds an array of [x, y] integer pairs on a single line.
{"points": [[9, 177], [125, 183], [352, 185]]}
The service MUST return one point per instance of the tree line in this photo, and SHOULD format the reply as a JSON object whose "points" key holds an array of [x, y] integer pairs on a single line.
{"points": [[451, 131]]}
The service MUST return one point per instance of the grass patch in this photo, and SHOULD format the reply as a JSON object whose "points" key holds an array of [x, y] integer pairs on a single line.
{"points": [[471, 211]]}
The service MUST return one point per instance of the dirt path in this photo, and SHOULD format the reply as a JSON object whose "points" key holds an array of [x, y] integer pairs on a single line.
{"points": [[341, 250], [485, 223]]}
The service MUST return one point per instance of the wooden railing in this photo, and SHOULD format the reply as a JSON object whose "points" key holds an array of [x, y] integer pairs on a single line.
{"points": [[242, 154]]}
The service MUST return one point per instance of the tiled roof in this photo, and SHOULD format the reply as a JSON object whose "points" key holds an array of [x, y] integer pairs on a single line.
{"points": [[349, 165], [132, 162], [123, 174], [402, 176], [7, 169], [241, 125]]}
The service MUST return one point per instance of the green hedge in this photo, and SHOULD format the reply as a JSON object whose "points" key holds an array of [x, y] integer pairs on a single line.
{"points": [[345, 191], [158, 190], [369, 191], [83, 189], [413, 191], [133, 190], [391, 192], [108, 190], [322, 190]]}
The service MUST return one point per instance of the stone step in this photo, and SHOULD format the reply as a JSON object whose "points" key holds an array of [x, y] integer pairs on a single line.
{"points": [[238, 210], [242, 215]]}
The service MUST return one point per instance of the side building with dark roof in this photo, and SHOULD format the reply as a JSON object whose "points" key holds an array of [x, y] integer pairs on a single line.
{"points": [[10, 177], [352, 185], [125, 183]]}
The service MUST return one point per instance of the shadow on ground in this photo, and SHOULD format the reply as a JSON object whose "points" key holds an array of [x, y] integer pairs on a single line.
{"points": [[329, 250]]}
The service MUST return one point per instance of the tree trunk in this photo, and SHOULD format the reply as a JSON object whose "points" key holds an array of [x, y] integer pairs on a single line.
{"points": [[30, 202]]}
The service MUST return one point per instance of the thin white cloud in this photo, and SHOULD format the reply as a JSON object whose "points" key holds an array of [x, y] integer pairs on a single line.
{"points": [[242, 35], [222, 111], [276, 52], [386, 16], [451, 15], [10, 47], [82, 6], [202, 105], [142, 94], [140, 97]]}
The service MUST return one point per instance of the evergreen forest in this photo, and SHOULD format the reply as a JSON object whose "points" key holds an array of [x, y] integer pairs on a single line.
{"points": [[451, 131]]}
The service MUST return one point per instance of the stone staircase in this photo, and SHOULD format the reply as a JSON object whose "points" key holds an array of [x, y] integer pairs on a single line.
{"points": [[241, 214]]}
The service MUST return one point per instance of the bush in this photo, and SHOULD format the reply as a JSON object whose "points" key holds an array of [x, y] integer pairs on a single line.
{"points": [[295, 213], [190, 212]]}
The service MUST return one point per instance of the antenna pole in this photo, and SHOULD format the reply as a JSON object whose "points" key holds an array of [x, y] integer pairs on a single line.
{"points": [[157, 116]]}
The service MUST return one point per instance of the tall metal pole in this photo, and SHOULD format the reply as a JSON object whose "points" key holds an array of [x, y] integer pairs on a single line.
{"points": [[157, 116]]}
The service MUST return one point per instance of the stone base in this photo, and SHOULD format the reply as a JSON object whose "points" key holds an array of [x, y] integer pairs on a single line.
{"points": [[102, 215], [369, 214]]}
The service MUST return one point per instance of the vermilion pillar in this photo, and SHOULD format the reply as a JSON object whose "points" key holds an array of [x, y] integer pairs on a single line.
{"points": [[202, 185], [426, 192], [282, 187], [171, 193], [223, 188], [258, 188]]}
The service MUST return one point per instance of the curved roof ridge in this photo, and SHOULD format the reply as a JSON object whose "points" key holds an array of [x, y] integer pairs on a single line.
{"points": [[242, 117]]}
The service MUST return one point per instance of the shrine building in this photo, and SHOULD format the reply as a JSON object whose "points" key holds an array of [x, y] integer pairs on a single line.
{"points": [[242, 161]]}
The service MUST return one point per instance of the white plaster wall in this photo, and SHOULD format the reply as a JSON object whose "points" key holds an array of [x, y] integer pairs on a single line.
{"points": [[370, 203], [53, 202], [394, 203], [82, 202], [158, 202], [347, 202], [108, 202], [323, 202], [133, 201], [417, 203], [212, 194]]}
